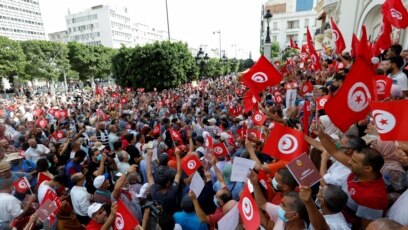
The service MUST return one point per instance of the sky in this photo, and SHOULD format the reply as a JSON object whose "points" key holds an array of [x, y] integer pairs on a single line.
{"points": [[192, 21]]}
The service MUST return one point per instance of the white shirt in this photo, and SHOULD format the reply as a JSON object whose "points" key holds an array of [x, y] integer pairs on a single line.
{"points": [[335, 222], [42, 189], [400, 79], [10, 207], [337, 174], [80, 200], [123, 167], [33, 154], [112, 137]]}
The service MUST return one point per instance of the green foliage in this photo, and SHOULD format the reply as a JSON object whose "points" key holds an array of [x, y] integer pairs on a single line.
{"points": [[46, 60], [12, 58], [159, 65], [90, 61], [275, 49]]}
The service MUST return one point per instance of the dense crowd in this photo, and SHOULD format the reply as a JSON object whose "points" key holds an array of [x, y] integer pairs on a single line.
{"points": [[93, 152]]}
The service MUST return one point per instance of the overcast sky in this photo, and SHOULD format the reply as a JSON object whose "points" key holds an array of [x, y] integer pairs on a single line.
{"points": [[192, 21]]}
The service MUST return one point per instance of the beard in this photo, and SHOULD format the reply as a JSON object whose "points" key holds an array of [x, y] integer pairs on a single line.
{"points": [[389, 70]]}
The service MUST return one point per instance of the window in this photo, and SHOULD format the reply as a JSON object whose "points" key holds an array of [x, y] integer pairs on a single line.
{"points": [[306, 22], [293, 24], [275, 25], [274, 38]]}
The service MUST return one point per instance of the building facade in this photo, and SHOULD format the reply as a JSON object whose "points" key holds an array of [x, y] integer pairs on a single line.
{"points": [[290, 19], [21, 20], [144, 34], [101, 25], [350, 16], [60, 36]]}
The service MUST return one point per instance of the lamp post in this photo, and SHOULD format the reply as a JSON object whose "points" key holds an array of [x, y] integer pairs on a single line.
{"points": [[267, 45], [219, 40], [168, 23], [225, 61], [202, 60]]}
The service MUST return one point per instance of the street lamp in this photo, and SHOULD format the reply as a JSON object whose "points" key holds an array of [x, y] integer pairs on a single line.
{"points": [[267, 45], [202, 60], [225, 60], [219, 39]]}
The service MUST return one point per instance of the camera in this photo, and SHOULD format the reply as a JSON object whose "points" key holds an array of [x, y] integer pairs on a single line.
{"points": [[155, 208]]}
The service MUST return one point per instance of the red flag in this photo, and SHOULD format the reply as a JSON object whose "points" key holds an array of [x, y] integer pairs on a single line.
{"points": [[38, 112], [57, 114], [307, 112], [123, 100], [254, 133], [339, 65], [41, 122], [277, 98], [261, 75], [384, 40], [321, 102], [63, 113], [251, 101], [338, 37], [176, 136], [395, 13], [293, 44], [383, 86], [97, 90], [42, 177], [364, 50], [312, 52], [102, 116], [390, 119], [263, 179], [190, 164], [52, 196], [220, 150], [307, 87], [354, 45], [124, 220], [350, 104], [259, 118], [242, 132], [308, 38], [284, 143], [157, 129], [304, 49], [248, 210], [58, 135], [52, 111], [21, 185]]}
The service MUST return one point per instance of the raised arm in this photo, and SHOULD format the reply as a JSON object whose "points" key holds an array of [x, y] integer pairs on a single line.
{"points": [[259, 197], [150, 178], [251, 150], [217, 171], [199, 211], [101, 169], [121, 181], [316, 218], [178, 174]]}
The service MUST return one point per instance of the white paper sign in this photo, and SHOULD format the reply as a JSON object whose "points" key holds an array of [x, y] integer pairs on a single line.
{"points": [[229, 220], [240, 169], [197, 184]]}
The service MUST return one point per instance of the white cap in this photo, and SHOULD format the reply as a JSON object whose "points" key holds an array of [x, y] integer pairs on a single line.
{"points": [[98, 181], [98, 145], [212, 120], [93, 208]]}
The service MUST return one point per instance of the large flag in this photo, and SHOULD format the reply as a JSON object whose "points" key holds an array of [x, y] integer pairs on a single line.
{"points": [[251, 101], [384, 39], [124, 220], [383, 85], [395, 13], [350, 104], [21, 185], [190, 164], [364, 51], [391, 119], [308, 38], [248, 210], [261, 75], [284, 143], [354, 45], [307, 112], [338, 37], [312, 52]]}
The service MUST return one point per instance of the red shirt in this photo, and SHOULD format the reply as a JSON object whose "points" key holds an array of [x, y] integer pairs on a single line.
{"points": [[214, 218], [93, 226]]}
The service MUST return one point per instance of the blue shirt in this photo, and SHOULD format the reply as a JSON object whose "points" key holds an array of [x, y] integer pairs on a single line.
{"points": [[189, 221]]}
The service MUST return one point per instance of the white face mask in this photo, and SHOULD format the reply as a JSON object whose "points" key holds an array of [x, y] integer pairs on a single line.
{"points": [[275, 184]]}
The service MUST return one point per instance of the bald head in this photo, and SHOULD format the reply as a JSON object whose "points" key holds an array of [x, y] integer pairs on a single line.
{"points": [[384, 224], [77, 177]]}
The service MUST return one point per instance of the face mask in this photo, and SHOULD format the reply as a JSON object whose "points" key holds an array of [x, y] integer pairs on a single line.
{"points": [[318, 204], [281, 214], [99, 157], [275, 184], [49, 164], [84, 183], [216, 202]]}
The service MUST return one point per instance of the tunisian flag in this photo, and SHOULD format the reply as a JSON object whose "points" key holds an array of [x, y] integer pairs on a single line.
{"points": [[354, 45], [248, 210], [176, 136], [261, 75], [293, 44], [21, 185], [395, 13], [383, 85], [338, 37], [190, 164], [350, 104], [306, 117], [384, 40], [390, 119], [259, 118], [41, 122], [220, 150], [251, 101], [284, 143], [321, 102], [157, 129], [364, 49], [124, 220], [307, 87]]}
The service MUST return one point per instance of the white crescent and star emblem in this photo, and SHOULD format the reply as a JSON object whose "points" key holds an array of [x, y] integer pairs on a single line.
{"points": [[218, 150], [191, 164], [358, 97], [336, 35], [384, 121], [340, 65], [258, 117], [259, 77], [22, 184], [380, 86], [156, 130], [59, 135], [322, 102], [42, 123], [247, 208], [254, 99], [287, 144], [305, 88], [395, 14], [313, 58], [119, 221]]}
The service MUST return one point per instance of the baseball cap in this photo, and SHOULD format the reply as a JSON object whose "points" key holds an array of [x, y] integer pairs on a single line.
{"points": [[94, 208], [4, 166], [212, 120], [98, 181], [98, 145]]}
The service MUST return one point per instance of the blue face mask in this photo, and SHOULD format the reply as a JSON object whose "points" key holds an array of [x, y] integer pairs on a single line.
{"points": [[216, 202], [281, 215], [99, 157], [318, 204], [49, 164]]}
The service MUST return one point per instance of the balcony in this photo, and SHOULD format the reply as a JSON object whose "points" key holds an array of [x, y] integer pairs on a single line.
{"points": [[329, 4]]}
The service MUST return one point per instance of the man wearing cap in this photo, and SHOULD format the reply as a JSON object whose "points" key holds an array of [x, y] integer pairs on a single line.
{"points": [[102, 193], [80, 198], [36, 151], [99, 217]]}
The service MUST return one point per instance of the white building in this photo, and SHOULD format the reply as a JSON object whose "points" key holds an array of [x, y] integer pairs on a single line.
{"points": [[101, 25], [60, 36], [144, 34], [350, 15], [21, 20], [290, 18]]}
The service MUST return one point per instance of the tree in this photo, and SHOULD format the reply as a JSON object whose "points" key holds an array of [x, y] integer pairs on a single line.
{"points": [[12, 58], [159, 65], [275, 49], [90, 61], [45, 59]]}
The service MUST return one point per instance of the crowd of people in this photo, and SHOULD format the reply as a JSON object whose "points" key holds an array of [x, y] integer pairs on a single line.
{"points": [[91, 152]]}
